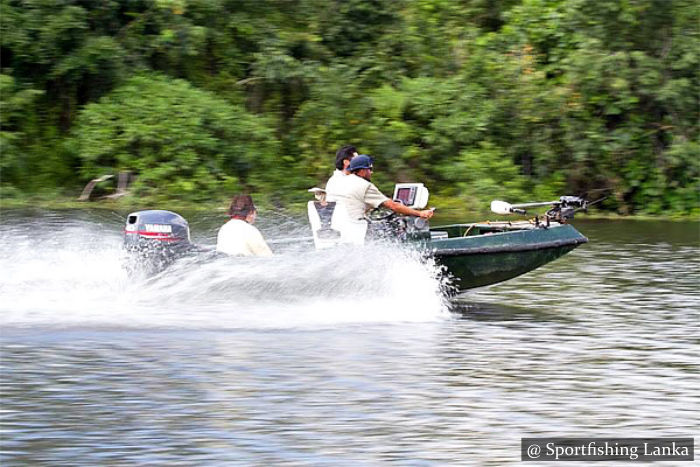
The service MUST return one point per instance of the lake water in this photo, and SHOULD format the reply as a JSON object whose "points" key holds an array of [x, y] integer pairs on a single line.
{"points": [[351, 358]]}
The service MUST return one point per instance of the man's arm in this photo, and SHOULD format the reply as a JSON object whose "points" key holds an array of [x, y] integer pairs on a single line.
{"points": [[406, 211]]}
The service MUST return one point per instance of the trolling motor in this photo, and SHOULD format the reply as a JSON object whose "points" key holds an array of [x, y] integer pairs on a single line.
{"points": [[564, 210], [561, 211]]}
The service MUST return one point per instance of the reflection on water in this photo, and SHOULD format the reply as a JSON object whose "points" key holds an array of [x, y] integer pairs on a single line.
{"points": [[350, 361]]}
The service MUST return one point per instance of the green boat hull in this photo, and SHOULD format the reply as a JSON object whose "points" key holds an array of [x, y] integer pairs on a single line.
{"points": [[491, 257]]}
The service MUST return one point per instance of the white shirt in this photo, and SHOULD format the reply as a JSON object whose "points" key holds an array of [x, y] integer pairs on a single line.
{"points": [[237, 237], [357, 194], [334, 181]]}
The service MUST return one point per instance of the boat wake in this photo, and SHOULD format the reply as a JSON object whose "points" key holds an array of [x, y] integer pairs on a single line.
{"points": [[73, 275]]}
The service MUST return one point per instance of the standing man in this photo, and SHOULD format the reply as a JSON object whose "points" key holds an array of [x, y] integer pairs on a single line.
{"points": [[342, 161], [238, 236], [359, 194]]}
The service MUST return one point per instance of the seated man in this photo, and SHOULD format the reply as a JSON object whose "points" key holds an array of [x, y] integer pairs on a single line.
{"points": [[358, 194], [238, 236]]}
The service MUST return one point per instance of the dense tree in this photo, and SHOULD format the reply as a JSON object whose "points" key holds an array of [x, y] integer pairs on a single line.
{"points": [[518, 98], [17, 110], [203, 145]]}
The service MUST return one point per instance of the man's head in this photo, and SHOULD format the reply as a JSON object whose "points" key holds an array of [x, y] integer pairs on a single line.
{"points": [[242, 207], [344, 156], [361, 166]]}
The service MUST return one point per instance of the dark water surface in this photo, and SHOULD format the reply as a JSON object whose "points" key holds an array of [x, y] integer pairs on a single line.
{"points": [[349, 358]]}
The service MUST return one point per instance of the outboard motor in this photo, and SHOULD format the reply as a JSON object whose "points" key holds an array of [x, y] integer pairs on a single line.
{"points": [[154, 239]]}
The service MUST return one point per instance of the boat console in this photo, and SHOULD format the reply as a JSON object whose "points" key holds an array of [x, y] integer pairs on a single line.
{"points": [[413, 195]]}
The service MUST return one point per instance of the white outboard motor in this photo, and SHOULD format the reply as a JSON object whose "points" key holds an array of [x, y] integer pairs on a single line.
{"points": [[153, 239]]}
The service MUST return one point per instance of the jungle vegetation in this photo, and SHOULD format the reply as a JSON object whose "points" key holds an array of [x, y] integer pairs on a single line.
{"points": [[479, 99]]}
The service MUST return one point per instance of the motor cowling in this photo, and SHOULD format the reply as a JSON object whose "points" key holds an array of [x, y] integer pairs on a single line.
{"points": [[156, 227], [153, 239]]}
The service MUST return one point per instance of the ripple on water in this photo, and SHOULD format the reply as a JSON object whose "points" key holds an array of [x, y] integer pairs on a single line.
{"points": [[96, 370]]}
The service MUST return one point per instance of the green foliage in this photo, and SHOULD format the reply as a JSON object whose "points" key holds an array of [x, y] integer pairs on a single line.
{"points": [[179, 141], [17, 109], [481, 99], [485, 173]]}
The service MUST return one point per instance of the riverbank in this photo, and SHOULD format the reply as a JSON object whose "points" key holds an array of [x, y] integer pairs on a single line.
{"points": [[451, 214]]}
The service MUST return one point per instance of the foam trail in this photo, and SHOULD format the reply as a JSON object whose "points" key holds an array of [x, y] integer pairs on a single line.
{"points": [[67, 274]]}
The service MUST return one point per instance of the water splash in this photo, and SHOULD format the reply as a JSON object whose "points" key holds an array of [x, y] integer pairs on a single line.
{"points": [[60, 273]]}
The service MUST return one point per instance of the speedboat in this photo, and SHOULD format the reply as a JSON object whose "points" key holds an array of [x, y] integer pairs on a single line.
{"points": [[487, 253], [473, 254]]}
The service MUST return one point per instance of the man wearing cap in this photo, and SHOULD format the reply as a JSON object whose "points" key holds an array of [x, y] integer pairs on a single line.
{"points": [[359, 194]]}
